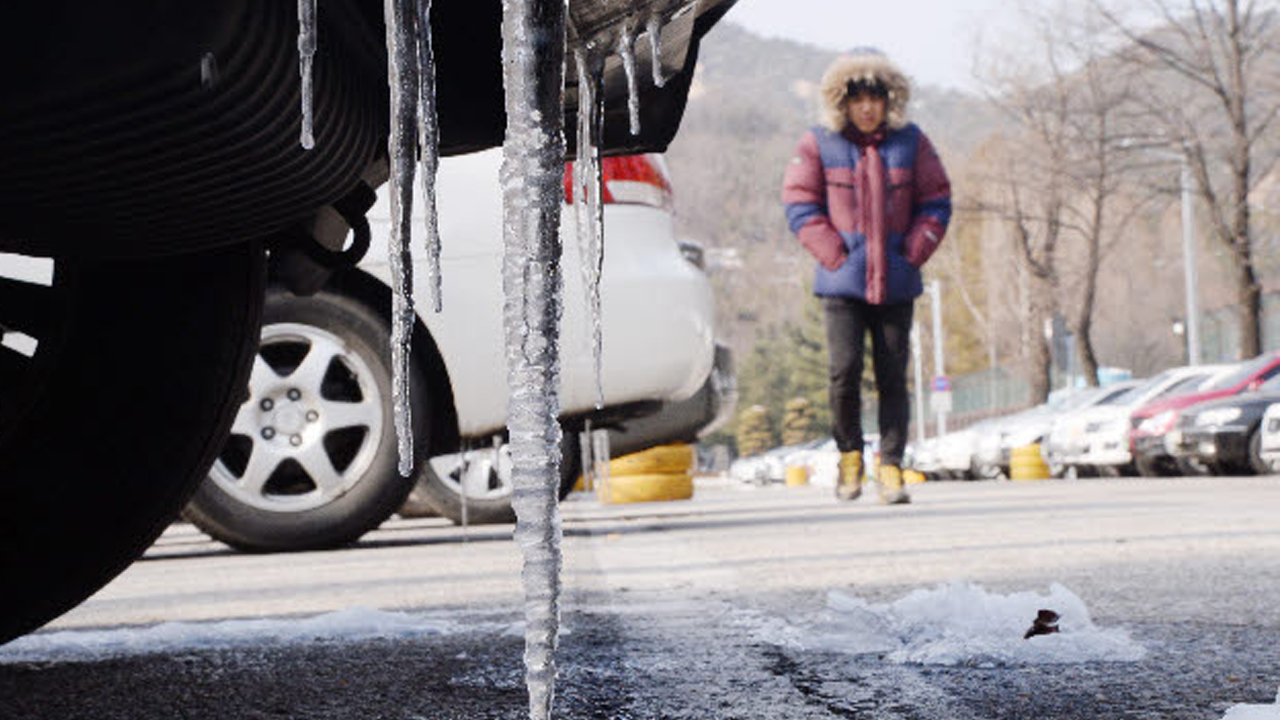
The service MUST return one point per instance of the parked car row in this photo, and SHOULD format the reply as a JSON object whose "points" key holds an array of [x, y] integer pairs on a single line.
{"points": [[1204, 419]]}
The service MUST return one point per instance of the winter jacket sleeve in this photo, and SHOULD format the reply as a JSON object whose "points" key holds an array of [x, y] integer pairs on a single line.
{"points": [[804, 194], [932, 211]]}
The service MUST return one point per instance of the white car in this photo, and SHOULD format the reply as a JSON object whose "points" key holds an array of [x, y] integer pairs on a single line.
{"points": [[312, 457], [997, 438], [1103, 443], [1064, 444], [949, 456]]}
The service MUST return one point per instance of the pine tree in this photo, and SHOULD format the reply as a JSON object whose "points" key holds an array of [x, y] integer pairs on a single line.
{"points": [[809, 368]]}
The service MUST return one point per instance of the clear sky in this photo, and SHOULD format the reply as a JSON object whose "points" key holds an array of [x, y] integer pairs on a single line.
{"points": [[932, 40]]}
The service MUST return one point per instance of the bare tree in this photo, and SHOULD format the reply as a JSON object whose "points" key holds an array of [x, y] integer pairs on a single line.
{"points": [[1062, 172], [1214, 93], [1026, 197]]}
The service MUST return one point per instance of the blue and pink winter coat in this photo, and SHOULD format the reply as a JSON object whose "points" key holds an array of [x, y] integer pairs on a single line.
{"points": [[868, 250]]}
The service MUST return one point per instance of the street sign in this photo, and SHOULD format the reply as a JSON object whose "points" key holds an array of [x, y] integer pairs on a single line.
{"points": [[942, 383], [940, 401]]}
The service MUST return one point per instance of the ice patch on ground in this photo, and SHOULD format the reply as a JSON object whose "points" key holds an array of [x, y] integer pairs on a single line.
{"points": [[1255, 712], [957, 624], [357, 623]]}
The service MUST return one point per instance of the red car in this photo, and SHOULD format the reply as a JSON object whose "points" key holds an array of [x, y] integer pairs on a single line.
{"points": [[1154, 436]]}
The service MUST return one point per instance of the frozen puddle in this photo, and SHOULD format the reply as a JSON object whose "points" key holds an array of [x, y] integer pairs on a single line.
{"points": [[957, 624], [1255, 712], [352, 624]]}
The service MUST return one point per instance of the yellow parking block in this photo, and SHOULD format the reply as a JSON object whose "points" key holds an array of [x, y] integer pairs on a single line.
{"points": [[797, 476], [658, 487]]}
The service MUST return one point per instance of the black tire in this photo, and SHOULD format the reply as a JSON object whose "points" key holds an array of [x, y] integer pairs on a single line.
{"points": [[1256, 463], [287, 507], [443, 498], [1151, 467], [1191, 467], [1108, 471], [107, 429], [1222, 469]]}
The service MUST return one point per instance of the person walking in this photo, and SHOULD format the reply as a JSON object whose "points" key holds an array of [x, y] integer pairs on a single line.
{"points": [[867, 195]]}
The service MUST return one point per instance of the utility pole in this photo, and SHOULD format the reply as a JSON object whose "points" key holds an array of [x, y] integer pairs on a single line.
{"points": [[917, 356], [939, 366], [1189, 266]]}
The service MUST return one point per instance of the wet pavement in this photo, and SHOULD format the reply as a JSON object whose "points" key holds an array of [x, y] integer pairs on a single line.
{"points": [[685, 610]]}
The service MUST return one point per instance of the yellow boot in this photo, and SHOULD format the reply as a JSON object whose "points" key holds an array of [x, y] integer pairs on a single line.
{"points": [[849, 484], [892, 490]]}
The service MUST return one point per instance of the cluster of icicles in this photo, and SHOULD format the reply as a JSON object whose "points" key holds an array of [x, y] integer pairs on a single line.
{"points": [[533, 157]]}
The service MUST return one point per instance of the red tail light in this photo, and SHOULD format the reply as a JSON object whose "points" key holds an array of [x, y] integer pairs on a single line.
{"points": [[630, 180]]}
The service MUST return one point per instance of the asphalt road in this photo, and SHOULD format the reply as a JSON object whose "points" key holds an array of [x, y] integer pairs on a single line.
{"points": [[714, 608]]}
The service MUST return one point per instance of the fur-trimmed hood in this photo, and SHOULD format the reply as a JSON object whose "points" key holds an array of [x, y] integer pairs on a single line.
{"points": [[862, 64]]}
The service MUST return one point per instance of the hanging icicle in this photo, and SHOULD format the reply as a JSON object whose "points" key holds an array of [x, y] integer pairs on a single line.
{"points": [[306, 51], [533, 33], [627, 50], [586, 196], [402, 79], [429, 147], [653, 27]]}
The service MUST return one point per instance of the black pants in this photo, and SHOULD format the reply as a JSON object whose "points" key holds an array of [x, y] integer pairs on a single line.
{"points": [[848, 322]]}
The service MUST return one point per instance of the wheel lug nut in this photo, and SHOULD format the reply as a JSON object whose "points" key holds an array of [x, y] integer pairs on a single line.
{"points": [[312, 416], [295, 394], [266, 405], [296, 440], [268, 433]]}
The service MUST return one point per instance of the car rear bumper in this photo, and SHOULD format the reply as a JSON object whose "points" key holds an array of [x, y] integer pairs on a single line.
{"points": [[686, 420]]}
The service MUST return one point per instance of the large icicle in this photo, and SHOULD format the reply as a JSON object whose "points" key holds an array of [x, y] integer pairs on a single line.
{"points": [[586, 200], [654, 29], [402, 78], [533, 33], [627, 51], [306, 51], [429, 146]]}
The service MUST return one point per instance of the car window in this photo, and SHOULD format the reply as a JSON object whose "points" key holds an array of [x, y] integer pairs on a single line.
{"points": [[1186, 384], [1135, 393], [1271, 384], [1269, 375], [1246, 371], [1115, 396], [1080, 399]]}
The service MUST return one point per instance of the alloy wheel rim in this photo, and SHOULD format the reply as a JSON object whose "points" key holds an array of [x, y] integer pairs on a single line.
{"points": [[484, 474], [311, 427]]}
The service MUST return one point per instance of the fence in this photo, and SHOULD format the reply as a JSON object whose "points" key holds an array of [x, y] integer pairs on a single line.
{"points": [[1220, 330], [976, 396]]}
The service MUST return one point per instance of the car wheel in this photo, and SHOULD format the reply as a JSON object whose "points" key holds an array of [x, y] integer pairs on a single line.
{"points": [[115, 415], [1221, 469], [312, 457], [1191, 467], [486, 475], [1150, 467], [1256, 461], [985, 472]]}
